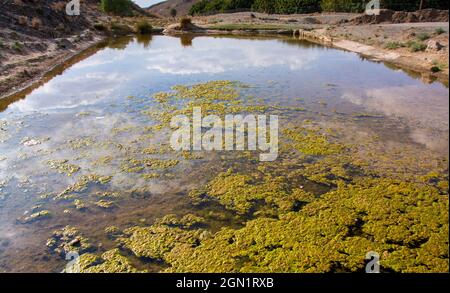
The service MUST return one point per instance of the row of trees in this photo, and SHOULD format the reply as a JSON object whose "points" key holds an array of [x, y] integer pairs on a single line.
{"points": [[308, 6], [118, 7], [206, 6]]}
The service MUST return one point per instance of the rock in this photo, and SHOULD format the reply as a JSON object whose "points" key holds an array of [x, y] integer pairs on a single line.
{"points": [[177, 28], [433, 45], [64, 44], [311, 20], [285, 32], [30, 142], [68, 240]]}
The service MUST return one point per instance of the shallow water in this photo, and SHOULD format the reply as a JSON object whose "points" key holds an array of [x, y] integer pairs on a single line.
{"points": [[91, 114]]}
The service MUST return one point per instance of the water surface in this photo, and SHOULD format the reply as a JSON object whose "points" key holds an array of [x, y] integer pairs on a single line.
{"points": [[92, 116]]}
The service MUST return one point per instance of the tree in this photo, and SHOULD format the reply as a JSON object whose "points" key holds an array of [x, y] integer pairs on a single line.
{"points": [[119, 7], [266, 6], [173, 12]]}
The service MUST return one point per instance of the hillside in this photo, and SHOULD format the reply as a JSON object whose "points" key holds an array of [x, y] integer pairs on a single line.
{"points": [[45, 19], [163, 8]]}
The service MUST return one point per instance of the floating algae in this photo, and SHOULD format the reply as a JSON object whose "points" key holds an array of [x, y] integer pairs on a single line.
{"points": [[150, 176], [296, 231], [333, 233], [244, 193], [79, 143], [319, 208], [160, 164], [62, 166], [132, 165], [113, 231], [103, 161], [86, 180], [37, 216], [79, 204], [156, 241], [310, 142], [104, 204], [111, 261]]}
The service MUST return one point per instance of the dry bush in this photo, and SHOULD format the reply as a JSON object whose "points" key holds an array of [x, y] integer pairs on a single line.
{"points": [[185, 22], [23, 20], [18, 2], [36, 23], [59, 6]]}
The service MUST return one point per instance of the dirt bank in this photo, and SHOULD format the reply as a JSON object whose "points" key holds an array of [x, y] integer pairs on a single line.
{"points": [[390, 16], [37, 36], [422, 47]]}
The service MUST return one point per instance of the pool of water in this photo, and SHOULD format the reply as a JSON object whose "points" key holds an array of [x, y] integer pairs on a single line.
{"points": [[92, 118]]}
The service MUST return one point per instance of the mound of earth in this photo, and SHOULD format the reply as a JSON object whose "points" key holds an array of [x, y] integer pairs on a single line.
{"points": [[163, 8], [177, 28], [391, 16]]}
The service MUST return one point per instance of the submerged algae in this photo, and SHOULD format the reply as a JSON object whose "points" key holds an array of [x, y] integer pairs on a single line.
{"points": [[63, 166], [104, 204], [290, 227], [37, 216], [69, 239], [156, 241], [111, 261], [334, 233], [83, 183], [244, 193], [310, 142]]}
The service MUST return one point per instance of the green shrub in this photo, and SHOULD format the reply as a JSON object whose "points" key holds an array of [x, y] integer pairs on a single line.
{"points": [[99, 27], [423, 36], [18, 46], [173, 12], [144, 28], [439, 31], [120, 29], [265, 6], [435, 69], [438, 66], [205, 6], [393, 45], [416, 46], [118, 7], [342, 5], [307, 6]]}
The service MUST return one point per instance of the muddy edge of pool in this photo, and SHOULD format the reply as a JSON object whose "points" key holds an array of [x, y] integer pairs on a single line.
{"points": [[55, 64]]}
